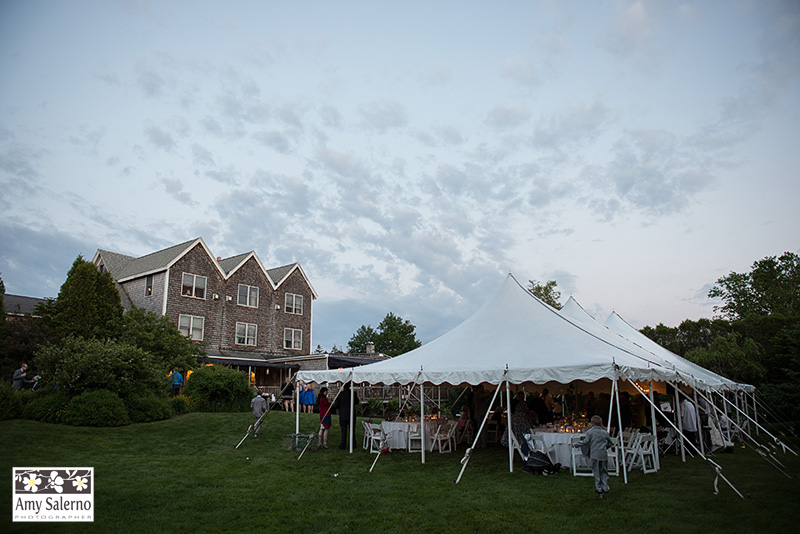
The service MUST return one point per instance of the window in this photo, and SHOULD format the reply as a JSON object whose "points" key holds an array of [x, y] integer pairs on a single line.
{"points": [[292, 338], [248, 296], [194, 285], [294, 304], [246, 334], [148, 285], [191, 326]]}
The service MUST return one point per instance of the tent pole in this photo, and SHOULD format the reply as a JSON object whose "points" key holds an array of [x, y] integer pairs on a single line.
{"points": [[352, 412], [619, 422], [777, 441], [611, 406], [508, 429], [422, 420], [679, 417], [296, 397], [653, 422], [755, 412], [700, 433], [717, 468], [468, 452]]}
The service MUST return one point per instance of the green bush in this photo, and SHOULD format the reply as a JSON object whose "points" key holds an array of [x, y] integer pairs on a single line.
{"points": [[216, 388], [48, 408], [96, 408], [80, 365], [10, 402], [179, 404], [147, 407]]}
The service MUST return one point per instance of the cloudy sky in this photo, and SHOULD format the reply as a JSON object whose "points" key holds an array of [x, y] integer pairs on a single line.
{"points": [[407, 154]]}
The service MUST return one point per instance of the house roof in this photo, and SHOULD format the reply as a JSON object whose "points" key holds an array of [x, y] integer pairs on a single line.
{"points": [[123, 267], [19, 305]]}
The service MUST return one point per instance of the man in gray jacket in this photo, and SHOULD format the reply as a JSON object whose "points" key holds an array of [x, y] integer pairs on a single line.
{"points": [[259, 406], [593, 443]]}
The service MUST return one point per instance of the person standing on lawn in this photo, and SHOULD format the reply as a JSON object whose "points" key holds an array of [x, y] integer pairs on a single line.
{"points": [[346, 417], [324, 406], [175, 382], [593, 443], [259, 406]]}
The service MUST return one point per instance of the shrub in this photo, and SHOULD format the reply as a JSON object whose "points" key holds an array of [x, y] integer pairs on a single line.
{"points": [[219, 389], [48, 408], [179, 404], [80, 365], [10, 402], [96, 408], [147, 407]]}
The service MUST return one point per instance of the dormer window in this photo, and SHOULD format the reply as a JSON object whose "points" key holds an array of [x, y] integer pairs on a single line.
{"points": [[148, 285]]}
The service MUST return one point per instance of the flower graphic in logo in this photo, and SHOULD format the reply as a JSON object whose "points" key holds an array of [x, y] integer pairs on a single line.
{"points": [[80, 483], [32, 483], [56, 482]]}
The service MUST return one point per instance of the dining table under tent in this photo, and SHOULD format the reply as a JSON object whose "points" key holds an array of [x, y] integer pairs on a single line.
{"points": [[516, 340]]}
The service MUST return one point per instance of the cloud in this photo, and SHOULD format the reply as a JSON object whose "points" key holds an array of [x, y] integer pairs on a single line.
{"points": [[654, 171], [228, 175], [383, 115], [505, 118], [521, 70], [436, 73], [202, 156], [174, 187], [578, 125], [160, 138], [282, 142], [149, 80]]}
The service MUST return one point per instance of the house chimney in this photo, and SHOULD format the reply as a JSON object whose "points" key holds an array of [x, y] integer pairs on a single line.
{"points": [[370, 347], [219, 258]]}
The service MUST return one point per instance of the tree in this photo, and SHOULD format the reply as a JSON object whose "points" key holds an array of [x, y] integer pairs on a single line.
{"points": [[771, 288], [88, 304], [160, 337], [358, 343], [546, 292], [732, 357]]}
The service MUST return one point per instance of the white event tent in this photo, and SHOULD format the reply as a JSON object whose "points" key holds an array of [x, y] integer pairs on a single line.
{"points": [[516, 339]]}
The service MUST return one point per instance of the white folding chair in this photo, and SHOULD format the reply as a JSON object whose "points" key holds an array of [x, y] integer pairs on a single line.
{"points": [[441, 439], [581, 465], [541, 446], [632, 458], [647, 453], [414, 438], [376, 437], [613, 458], [365, 426]]}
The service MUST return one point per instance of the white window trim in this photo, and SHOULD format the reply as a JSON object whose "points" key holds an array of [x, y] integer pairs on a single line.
{"points": [[293, 306], [192, 319], [296, 338], [249, 289], [255, 334], [194, 286]]}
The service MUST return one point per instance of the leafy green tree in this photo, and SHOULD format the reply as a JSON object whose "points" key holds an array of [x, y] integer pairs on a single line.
{"points": [[546, 292], [88, 304], [160, 337], [396, 336], [772, 287], [732, 357], [689, 335], [393, 336], [358, 343]]}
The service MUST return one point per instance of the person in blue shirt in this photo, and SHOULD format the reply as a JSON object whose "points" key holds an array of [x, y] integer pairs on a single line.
{"points": [[175, 381]]}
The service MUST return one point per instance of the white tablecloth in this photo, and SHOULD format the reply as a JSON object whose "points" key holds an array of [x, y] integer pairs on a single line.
{"points": [[560, 443], [397, 433]]}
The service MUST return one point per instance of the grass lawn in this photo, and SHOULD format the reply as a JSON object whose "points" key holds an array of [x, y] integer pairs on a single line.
{"points": [[183, 475]]}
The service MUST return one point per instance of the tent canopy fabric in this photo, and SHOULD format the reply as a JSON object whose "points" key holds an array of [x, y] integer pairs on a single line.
{"points": [[687, 370], [513, 337]]}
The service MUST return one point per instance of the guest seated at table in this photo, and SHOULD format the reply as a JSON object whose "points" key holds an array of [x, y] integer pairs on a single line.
{"points": [[520, 425]]}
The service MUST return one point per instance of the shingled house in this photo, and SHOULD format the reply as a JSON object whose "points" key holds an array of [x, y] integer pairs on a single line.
{"points": [[242, 313]]}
